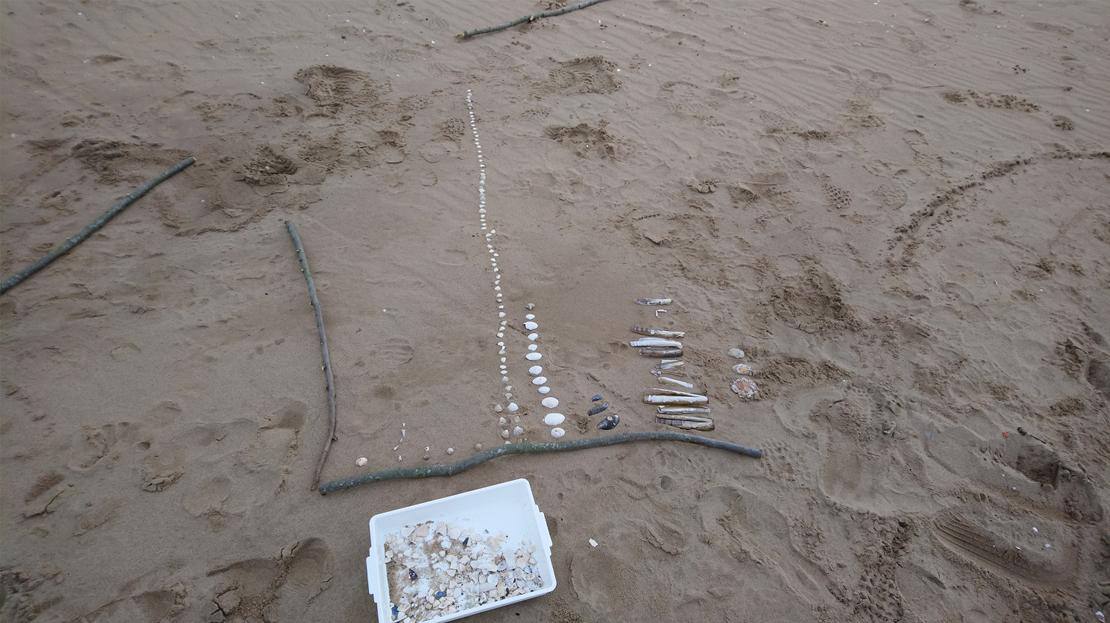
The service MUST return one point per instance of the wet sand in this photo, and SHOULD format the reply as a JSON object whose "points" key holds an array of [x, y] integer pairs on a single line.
{"points": [[897, 209]]}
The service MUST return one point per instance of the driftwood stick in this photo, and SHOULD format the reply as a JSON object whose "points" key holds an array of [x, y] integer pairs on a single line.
{"points": [[527, 18], [92, 227], [450, 469], [329, 379]]}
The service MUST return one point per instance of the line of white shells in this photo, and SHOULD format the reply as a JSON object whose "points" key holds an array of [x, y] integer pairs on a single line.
{"points": [[553, 419], [502, 323]]}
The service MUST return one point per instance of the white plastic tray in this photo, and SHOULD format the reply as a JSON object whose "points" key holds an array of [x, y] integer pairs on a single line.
{"points": [[506, 508]]}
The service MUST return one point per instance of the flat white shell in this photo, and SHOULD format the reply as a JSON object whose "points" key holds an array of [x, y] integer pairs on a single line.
{"points": [[534, 370], [550, 402], [533, 356], [539, 380], [531, 326], [529, 316], [544, 390], [554, 419], [533, 336], [533, 348], [557, 432]]}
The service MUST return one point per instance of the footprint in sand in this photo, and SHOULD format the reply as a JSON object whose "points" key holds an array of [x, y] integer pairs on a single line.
{"points": [[274, 589]]}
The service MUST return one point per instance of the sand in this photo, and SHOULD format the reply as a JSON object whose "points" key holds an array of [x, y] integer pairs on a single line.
{"points": [[898, 209]]}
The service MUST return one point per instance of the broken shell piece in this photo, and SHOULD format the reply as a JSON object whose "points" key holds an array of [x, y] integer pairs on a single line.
{"points": [[550, 402], [672, 381], [654, 341], [687, 422], [361, 461], [518, 431], [534, 370], [671, 364], [512, 408], [742, 368], [557, 432], [658, 332], [596, 397], [504, 433], [530, 306], [531, 326], [539, 380], [660, 352], [736, 353], [657, 399], [745, 387], [554, 419], [598, 409], [529, 316], [533, 356], [609, 422], [450, 450], [682, 410], [653, 301], [658, 372]]}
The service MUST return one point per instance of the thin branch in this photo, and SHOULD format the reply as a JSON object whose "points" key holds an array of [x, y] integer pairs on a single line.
{"points": [[450, 469], [329, 379], [92, 227], [527, 18]]}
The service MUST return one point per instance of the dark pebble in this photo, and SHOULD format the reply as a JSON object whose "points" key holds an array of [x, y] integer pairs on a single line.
{"points": [[598, 409], [596, 397], [609, 422], [396, 611], [441, 594], [412, 575]]}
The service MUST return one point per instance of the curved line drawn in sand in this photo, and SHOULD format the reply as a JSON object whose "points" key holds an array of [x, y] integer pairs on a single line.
{"points": [[943, 203]]}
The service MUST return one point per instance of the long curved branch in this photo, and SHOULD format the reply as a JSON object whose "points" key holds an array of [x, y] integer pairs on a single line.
{"points": [[92, 227], [329, 379], [450, 469]]}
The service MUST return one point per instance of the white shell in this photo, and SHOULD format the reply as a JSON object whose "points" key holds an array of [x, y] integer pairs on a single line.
{"points": [[517, 431], [361, 461], [557, 432], [533, 356], [533, 348], [512, 408], [533, 336], [531, 326], [550, 402], [529, 316], [534, 370], [554, 419], [539, 380], [544, 390], [498, 408]]}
